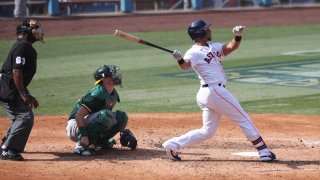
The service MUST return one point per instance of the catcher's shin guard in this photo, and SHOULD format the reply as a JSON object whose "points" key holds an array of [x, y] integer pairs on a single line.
{"points": [[122, 119]]}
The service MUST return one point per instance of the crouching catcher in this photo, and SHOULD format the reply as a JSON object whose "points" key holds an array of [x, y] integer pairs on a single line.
{"points": [[92, 123]]}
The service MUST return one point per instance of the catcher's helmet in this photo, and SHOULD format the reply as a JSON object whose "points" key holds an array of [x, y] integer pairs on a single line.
{"points": [[197, 29], [108, 71]]}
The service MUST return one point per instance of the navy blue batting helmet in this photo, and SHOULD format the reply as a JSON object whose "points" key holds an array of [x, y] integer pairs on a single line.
{"points": [[197, 29]]}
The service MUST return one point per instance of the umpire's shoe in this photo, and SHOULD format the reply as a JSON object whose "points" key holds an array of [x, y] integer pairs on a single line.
{"points": [[11, 155]]}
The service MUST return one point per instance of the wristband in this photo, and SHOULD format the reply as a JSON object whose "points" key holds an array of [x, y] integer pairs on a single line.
{"points": [[181, 61], [237, 38], [83, 131]]}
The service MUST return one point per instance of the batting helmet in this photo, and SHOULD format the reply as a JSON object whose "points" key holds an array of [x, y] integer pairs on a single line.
{"points": [[197, 29], [108, 71]]}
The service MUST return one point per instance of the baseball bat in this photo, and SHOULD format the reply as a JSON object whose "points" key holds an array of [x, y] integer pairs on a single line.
{"points": [[130, 37]]}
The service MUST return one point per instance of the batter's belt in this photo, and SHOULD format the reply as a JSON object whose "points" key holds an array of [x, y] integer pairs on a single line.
{"points": [[207, 85]]}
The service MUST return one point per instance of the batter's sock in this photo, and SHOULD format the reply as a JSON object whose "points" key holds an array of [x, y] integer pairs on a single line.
{"points": [[259, 144], [264, 152]]}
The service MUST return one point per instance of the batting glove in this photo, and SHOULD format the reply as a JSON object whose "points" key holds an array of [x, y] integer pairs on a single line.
{"points": [[177, 55], [238, 30]]}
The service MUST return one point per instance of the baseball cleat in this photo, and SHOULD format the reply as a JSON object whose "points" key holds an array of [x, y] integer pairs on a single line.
{"points": [[173, 155], [82, 151], [268, 157], [11, 155]]}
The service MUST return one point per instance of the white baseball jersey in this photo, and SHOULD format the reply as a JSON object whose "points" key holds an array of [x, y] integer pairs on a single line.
{"points": [[206, 61]]}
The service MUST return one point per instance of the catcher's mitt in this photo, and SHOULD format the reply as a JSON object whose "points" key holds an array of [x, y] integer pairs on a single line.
{"points": [[127, 139]]}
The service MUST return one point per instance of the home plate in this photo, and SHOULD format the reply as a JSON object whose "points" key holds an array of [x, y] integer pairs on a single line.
{"points": [[253, 154]]}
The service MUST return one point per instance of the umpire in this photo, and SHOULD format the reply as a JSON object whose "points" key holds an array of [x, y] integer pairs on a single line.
{"points": [[15, 76]]}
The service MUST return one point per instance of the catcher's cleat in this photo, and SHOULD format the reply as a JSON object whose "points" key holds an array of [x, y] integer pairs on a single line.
{"points": [[173, 155], [267, 156], [109, 144], [82, 151], [11, 155]]}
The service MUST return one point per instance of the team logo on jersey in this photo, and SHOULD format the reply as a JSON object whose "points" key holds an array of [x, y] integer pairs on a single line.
{"points": [[20, 60], [212, 55]]}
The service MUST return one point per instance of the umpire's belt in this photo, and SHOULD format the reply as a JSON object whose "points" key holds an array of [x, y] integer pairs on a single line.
{"points": [[207, 85]]}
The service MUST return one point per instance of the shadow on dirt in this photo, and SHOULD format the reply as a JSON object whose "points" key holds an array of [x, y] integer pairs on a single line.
{"points": [[294, 165], [124, 154], [111, 154]]}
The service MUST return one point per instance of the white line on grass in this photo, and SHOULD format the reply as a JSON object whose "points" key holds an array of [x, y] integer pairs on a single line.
{"points": [[315, 52]]}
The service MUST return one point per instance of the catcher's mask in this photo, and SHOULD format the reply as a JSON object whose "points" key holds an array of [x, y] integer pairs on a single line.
{"points": [[32, 28], [197, 29], [108, 71]]}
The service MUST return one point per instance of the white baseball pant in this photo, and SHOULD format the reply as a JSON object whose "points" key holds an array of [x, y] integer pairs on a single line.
{"points": [[214, 101]]}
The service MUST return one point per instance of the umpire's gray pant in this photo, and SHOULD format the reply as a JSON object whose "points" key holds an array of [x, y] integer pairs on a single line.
{"points": [[19, 130]]}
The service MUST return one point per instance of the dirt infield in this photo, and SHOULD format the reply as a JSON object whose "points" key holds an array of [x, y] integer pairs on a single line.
{"points": [[294, 138]]}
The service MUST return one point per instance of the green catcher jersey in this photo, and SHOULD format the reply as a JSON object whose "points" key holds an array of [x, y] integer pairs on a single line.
{"points": [[96, 100]]}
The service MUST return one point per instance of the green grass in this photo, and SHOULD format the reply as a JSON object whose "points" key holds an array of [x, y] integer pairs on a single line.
{"points": [[66, 64], [307, 104]]}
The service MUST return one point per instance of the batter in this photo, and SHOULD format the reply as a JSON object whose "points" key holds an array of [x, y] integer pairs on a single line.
{"points": [[213, 97]]}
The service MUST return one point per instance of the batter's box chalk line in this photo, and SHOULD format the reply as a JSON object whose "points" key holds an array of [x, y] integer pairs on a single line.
{"points": [[289, 169], [310, 144], [247, 154]]}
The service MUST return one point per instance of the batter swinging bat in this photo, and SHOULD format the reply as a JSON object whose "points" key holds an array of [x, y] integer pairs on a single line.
{"points": [[138, 40]]}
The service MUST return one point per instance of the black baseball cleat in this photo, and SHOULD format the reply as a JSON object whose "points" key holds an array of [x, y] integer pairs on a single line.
{"points": [[11, 155], [173, 155]]}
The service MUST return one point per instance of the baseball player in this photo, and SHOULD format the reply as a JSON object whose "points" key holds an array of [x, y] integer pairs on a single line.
{"points": [[213, 96], [92, 123], [15, 75]]}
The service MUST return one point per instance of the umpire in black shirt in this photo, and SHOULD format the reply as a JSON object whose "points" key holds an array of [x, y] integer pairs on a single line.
{"points": [[15, 76]]}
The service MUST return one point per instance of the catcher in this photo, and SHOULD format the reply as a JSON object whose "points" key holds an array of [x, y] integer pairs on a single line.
{"points": [[92, 124]]}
